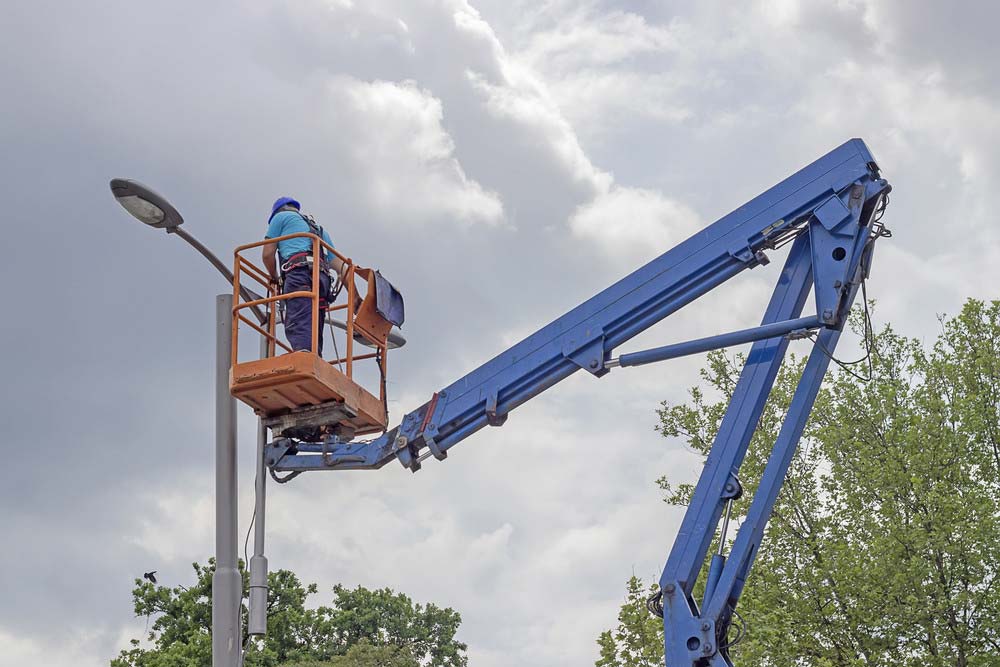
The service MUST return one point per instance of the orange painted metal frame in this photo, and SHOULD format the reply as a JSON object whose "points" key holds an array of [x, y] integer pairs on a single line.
{"points": [[244, 267]]}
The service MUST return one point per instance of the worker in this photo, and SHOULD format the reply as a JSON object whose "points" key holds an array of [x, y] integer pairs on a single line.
{"points": [[296, 270]]}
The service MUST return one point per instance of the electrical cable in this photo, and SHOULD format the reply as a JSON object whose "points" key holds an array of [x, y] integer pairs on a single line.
{"points": [[338, 285], [654, 604], [286, 479], [385, 393], [246, 542], [869, 338], [741, 631], [788, 234], [246, 564], [333, 337]]}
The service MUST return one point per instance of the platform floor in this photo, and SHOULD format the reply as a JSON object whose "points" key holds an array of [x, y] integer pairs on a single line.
{"points": [[280, 384]]}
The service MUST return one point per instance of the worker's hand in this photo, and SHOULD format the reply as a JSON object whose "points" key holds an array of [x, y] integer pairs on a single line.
{"points": [[275, 285]]}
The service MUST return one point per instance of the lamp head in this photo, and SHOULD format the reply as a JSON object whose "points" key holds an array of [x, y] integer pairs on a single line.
{"points": [[145, 204]]}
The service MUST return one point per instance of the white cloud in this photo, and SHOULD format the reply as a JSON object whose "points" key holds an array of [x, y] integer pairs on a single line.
{"points": [[633, 224], [780, 13], [174, 518], [524, 101], [68, 649], [408, 160], [585, 39], [596, 65]]}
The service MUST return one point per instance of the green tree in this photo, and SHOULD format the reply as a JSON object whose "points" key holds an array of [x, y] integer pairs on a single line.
{"points": [[364, 654], [637, 641], [361, 628], [884, 545]]}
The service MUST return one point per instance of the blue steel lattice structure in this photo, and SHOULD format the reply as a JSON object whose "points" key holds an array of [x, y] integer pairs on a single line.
{"points": [[828, 212]]}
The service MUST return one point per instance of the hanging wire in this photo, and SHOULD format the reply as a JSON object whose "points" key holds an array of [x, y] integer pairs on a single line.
{"points": [[654, 604], [741, 631], [381, 372], [286, 479], [869, 338], [338, 285]]}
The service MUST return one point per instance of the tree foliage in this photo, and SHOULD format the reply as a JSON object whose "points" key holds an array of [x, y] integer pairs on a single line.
{"points": [[637, 641], [361, 628], [884, 545]]}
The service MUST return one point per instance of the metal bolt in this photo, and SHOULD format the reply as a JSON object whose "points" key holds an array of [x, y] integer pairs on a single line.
{"points": [[707, 650], [669, 589], [705, 626], [593, 363]]}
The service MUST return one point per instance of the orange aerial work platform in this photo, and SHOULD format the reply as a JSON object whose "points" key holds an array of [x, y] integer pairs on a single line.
{"points": [[297, 393]]}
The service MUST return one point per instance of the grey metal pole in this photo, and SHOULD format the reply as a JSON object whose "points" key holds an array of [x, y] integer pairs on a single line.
{"points": [[227, 584], [257, 623]]}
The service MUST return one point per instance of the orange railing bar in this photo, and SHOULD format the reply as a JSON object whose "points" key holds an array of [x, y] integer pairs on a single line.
{"points": [[257, 244], [272, 299], [370, 355], [316, 327], [350, 318], [254, 271], [256, 327]]}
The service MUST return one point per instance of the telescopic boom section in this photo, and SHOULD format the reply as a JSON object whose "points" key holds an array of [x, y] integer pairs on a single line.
{"points": [[829, 212], [822, 197]]}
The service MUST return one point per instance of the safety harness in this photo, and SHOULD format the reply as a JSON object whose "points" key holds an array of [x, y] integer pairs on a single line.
{"points": [[305, 258]]}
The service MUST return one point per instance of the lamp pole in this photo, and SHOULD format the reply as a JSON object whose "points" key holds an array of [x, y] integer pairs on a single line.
{"points": [[148, 207], [227, 584]]}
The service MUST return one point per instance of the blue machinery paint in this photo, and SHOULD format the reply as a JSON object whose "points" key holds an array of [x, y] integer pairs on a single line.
{"points": [[824, 210]]}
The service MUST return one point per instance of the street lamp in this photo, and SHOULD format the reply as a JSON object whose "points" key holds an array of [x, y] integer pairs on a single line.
{"points": [[150, 208]]}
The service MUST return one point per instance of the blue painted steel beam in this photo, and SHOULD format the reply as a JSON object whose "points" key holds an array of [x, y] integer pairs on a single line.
{"points": [[716, 342], [585, 336], [682, 621], [839, 252]]}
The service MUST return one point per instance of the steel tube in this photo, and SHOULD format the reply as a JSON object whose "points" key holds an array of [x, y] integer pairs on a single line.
{"points": [[227, 584], [715, 342], [257, 623]]}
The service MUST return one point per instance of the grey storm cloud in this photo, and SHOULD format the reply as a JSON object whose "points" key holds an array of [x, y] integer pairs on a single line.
{"points": [[500, 162]]}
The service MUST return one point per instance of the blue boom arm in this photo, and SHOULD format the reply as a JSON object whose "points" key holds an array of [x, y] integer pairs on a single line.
{"points": [[826, 212]]}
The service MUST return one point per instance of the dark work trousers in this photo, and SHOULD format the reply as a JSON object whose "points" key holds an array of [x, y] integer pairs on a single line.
{"points": [[298, 312]]}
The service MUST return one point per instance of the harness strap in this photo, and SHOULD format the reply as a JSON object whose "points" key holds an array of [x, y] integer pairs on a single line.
{"points": [[304, 259]]}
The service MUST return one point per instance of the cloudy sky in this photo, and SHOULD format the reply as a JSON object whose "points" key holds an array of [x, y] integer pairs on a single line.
{"points": [[500, 162]]}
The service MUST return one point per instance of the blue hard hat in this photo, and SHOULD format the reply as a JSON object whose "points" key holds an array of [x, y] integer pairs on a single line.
{"points": [[284, 201]]}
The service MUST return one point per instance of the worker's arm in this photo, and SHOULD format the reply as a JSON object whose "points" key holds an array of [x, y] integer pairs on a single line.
{"points": [[339, 265], [268, 251], [275, 228]]}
